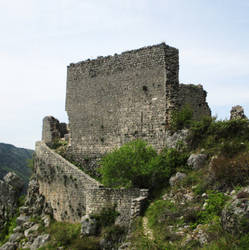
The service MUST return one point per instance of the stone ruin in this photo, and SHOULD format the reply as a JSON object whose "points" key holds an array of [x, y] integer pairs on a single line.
{"points": [[110, 101], [237, 112]]}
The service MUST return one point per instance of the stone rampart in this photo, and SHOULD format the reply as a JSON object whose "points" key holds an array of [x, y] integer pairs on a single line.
{"points": [[72, 193], [116, 99], [62, 184]]}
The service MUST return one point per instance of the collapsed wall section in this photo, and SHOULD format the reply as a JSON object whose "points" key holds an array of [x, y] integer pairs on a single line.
{"points": [[194, 96], [112, 100], [128, 202]]}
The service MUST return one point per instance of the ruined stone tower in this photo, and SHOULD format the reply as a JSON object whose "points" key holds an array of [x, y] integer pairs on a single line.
{"points": [[115, 99]]}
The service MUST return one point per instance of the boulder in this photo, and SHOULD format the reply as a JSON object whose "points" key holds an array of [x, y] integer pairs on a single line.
{"points": [[40, 241], [177, 178], [196, 161], [237, 112], [235, 215], [88, 225]]}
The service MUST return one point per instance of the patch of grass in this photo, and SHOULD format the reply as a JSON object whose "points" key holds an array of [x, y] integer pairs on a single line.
{"points": [[68, 235], [215, 203]]}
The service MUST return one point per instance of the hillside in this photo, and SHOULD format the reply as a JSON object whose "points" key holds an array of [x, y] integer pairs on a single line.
{"points": [[198, 194], [15, 159]]}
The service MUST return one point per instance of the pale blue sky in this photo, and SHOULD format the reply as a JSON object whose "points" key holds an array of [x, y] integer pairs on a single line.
{"points": [[40, 38]]}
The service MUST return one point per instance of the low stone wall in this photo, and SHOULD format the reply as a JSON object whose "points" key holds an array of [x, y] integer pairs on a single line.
{"points": [[72, 193], [126, 201]]}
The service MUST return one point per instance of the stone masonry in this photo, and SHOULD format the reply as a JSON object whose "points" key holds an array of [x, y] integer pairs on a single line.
{"points": [[110, 101], [115, 99], [71, 193]]}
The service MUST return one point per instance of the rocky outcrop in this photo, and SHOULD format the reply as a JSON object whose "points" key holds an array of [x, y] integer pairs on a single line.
{"points": [[10, 190], [177, 178], [35, 203], [88, 225], [235, 215], [237, 112], [196, 161], [173, 140]]}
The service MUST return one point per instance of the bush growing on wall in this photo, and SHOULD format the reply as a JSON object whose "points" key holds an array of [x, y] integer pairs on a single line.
{"points": [[181, 119], [137, 164]]}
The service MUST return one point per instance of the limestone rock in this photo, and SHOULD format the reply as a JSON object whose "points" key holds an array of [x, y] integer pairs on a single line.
{"points": [[8, 246], [178, 177], [13, 180], [236, 213], [88, 225], [172, 140], [17, 229], [31, 230], [125, 246], [22, 219], [46, 220], [237, 112], [196, 161], [10, 189], [15, 237], [40, 241]]}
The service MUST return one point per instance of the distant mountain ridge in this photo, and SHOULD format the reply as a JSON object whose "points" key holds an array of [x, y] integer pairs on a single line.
{"points": [[15, 159]]}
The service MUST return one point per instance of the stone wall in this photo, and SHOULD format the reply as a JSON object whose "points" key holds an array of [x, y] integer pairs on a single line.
{"points": [[195, 97], [71, 193], [124, 200], [115, 99], [62, 184], [53, 130]]}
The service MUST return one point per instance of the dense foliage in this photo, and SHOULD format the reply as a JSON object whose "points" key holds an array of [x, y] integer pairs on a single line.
{"points": [[136, 164]]}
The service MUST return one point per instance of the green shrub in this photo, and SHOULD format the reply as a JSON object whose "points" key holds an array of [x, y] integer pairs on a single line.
{"points": [[7, 230], [64, 233], [244, 242], [231, 171], [136, 164], [215, 204], [224, 137], [161, 212], [106, 217], [181, 119]]}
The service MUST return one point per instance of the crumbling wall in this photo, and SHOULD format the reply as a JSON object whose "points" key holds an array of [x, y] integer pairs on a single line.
{"points": [[53, 130], [71, 193], [62, 184], [126, 201], [193, 96], [115, 99]]}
